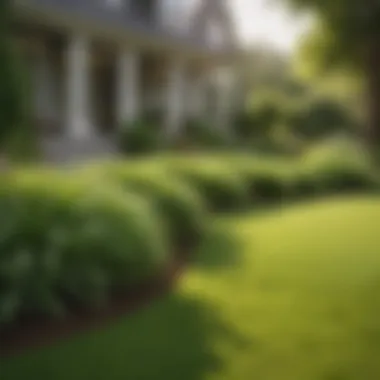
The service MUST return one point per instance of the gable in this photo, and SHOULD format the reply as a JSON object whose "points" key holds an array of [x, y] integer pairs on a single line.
{"points": [[212, 23]]}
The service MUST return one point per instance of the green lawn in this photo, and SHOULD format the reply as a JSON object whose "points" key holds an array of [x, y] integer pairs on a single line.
{"points": [[281, 295]]}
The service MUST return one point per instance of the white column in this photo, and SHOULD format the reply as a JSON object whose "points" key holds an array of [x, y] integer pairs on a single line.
{"points": [[127, 102], [78, 118], [175, 97]]}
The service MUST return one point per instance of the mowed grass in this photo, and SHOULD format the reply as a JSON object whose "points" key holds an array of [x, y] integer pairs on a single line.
{"points": [[292, 294]]}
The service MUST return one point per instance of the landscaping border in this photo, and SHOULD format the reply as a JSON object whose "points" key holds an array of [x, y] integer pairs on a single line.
{"points": [[30, 333]]}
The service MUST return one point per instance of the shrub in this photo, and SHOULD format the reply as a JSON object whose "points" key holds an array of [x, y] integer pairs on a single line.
{"points": [[265, 112], [344, 177], [200, 134], [221, 189], [139, 138], [268, 108], [67, 243], [244, 125], [265, 185], [180, 206], [318, 118], [340, 164], [303, 184]]}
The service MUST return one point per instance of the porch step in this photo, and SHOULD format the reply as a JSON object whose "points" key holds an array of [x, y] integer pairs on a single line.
{"points": [[68, 150]]}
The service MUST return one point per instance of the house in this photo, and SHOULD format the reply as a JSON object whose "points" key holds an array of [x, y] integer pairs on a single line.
{"points": [[98, 65]]}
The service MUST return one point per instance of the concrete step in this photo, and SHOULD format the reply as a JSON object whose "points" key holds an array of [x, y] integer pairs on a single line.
{"points": [[68, 150]]}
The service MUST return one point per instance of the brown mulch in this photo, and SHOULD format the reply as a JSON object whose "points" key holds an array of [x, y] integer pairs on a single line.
{"points": [[34, 333]]}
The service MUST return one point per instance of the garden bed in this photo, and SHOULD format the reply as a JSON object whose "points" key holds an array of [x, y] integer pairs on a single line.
{"points": [[34, 332]]}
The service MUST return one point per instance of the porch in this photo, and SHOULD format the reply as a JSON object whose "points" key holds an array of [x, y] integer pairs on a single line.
{"points": [[85, 88]]}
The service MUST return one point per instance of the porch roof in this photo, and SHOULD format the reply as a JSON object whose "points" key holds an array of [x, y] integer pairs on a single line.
{"points": [[103, 17]]}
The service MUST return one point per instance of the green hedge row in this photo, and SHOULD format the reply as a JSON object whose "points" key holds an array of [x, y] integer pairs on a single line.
{"points": [[68, 239], [66, 243]]}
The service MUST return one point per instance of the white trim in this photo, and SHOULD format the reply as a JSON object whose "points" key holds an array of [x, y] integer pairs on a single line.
{"points": [[77, 87]]}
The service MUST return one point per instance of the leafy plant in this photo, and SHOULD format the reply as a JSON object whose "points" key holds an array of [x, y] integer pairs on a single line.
{"points": [[203, 135], [265, 185], [179, 204], [139, 138], [66, 242], [221, 189], [318, 118]]}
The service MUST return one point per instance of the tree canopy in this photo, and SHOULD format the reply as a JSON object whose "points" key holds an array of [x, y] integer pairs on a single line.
{"points": [[348, 32], [345, 29]]}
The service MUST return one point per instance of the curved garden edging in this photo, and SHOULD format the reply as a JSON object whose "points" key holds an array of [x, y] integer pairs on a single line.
{"points": [[30, 334]]}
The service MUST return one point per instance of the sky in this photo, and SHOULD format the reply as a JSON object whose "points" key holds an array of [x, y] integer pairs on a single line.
{"points": [[259, 22]]}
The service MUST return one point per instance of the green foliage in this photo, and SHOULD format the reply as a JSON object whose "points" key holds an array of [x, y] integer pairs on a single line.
{"points": [[180, 206], [244, 124], [255, 125], [276, 123], [13, 108], [342, 35], [23, 146], [140, 137], [267, 109], [317, 118], [265, 184], [66, 242], [339, 178], [300, 290], [338, 165], [202, 135], [221, 189], [348, 35], [303, 184], [68, 239]]}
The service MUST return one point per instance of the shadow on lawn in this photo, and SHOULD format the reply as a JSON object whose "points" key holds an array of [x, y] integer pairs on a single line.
{"points": [[174, 339]]}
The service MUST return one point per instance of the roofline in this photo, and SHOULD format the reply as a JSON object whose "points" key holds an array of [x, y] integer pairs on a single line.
{"points": [[133, 33]]}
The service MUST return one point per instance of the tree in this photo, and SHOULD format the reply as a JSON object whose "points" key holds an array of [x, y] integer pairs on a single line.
{"points": [[13, 106], [261, 67], [349, 33]]}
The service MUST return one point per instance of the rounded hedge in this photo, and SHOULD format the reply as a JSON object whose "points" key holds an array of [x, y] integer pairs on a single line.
{"points": [[66, 243], [303, 184], [342, 178], [264, 184], [140, 137], [179, 204], [220, 187], [340, 164]]}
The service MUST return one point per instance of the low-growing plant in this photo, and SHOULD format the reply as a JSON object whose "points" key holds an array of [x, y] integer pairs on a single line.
{"points": [[179, 204], [65, 243], [221, 188], [338, 177], [202, 135], [303, 184], [139, 137], [318, 118], [265, 184], [339, 165]]}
